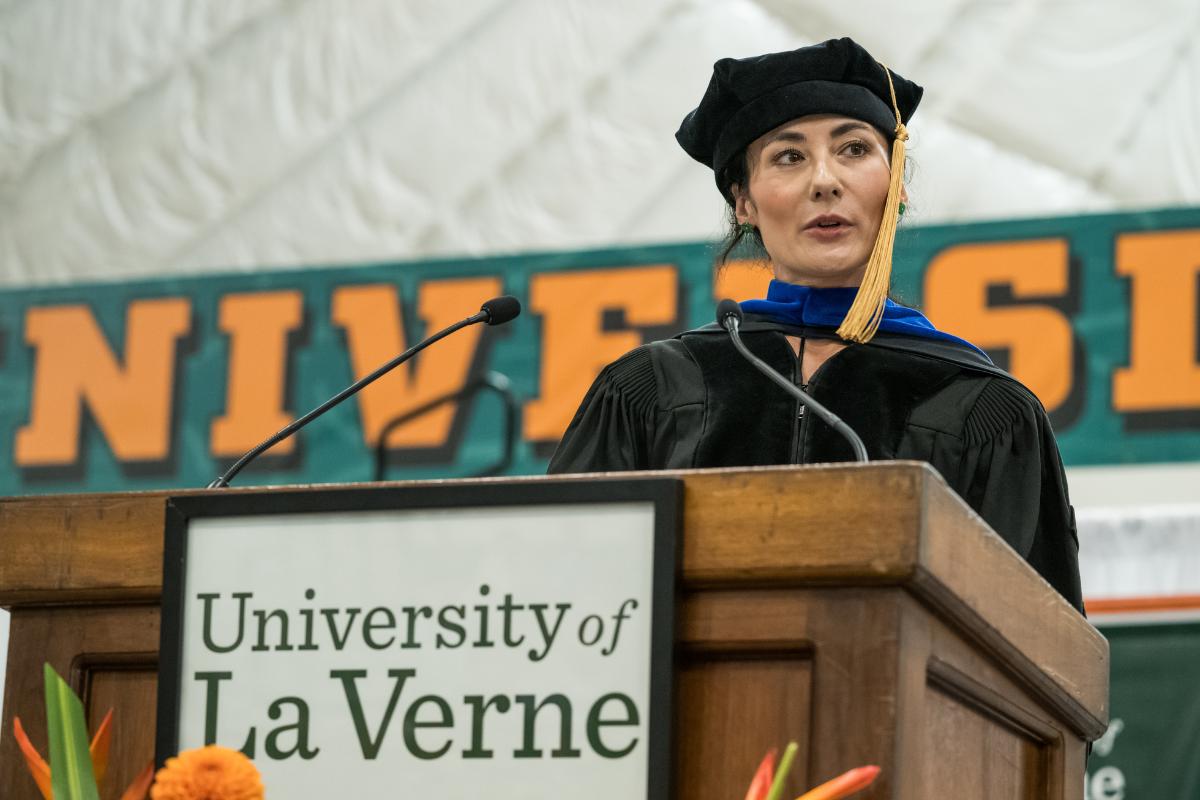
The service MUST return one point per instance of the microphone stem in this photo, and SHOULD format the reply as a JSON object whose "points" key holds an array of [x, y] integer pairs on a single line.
{"points": [[352, 389], [860, 451]]}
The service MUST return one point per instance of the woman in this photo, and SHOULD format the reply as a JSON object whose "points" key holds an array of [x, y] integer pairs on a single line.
{"points": [[808, 150]]}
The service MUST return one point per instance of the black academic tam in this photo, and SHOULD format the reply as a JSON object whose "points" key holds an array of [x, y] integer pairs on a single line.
{"points": [[693, 401]]}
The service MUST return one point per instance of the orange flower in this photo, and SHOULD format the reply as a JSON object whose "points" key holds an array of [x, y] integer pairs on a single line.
{"points": [[763, 777], [844, 785], [141, 784], [208, 773], [40, 770], [38, 767]]}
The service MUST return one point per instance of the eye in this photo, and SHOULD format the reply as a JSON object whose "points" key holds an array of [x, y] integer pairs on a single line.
{"points": [[787, 156], [856, 149]]}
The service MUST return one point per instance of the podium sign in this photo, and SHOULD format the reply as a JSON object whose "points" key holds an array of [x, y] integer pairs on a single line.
{"points": [[506, 641]]}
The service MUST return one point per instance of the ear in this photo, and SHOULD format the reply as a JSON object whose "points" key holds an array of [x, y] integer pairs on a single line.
{"points": [[743, 206], [904, 194]]}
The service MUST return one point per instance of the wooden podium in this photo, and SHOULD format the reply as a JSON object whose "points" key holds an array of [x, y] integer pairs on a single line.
{"points": [[863, 611]]}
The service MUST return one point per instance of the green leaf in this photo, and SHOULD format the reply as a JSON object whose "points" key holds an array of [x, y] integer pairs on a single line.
{"points": [[70, 762], [785, 766]]}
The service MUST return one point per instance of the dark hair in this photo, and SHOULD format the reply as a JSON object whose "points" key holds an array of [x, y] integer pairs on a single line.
{"points": [[737, 173]]}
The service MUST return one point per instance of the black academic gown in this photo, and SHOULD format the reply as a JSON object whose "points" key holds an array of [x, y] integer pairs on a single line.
{"points": [[693, 401]]}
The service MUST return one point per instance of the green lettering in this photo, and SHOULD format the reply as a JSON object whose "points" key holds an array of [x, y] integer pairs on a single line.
{"points": [[564, 749], [370, 746], [455, 627], [411, 723], [548, 631], [369, 628], [206, 625], [212, 691], [339, 641], [508, 607], [412, 614], [263, 616], [271, 745], [479, 708], [594, 723], [307, 613]]}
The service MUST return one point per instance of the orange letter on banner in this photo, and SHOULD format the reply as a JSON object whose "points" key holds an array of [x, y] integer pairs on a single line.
{"points": [[131, 403], [374, 327], [1163, 372], [574, 345], [258, 325], [744, 279], [1039, 338]]}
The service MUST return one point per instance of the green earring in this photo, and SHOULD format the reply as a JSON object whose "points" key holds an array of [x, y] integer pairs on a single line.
{"points": [[746, 228], [902, 207]]}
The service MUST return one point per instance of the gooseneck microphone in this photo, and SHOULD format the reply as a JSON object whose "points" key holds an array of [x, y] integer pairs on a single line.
{"points": [[729, 317], [496, 311]]}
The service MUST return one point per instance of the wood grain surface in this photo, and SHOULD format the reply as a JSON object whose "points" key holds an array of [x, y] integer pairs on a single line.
{"points": [[109, 655], [863, 611]]}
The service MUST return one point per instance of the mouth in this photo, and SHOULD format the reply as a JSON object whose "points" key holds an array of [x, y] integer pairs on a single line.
{"points": [[828, 221], [827, 226]]}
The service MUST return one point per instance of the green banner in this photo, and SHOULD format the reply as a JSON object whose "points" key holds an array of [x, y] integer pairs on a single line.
{"points": [[1150, 749], [163, 383]]}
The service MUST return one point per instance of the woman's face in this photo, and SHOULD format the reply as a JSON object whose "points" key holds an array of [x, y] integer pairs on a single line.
{"points": [[817, 190]]}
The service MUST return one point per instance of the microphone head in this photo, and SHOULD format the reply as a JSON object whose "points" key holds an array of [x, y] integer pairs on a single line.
{"points": [[728, 308], [500, 310]]}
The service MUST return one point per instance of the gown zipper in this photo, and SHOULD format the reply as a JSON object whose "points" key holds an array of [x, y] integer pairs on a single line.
{"points": [[799, 424]]}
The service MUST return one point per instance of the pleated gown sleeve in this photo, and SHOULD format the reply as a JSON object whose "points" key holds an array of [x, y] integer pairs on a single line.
{"points": [[614, 427], [1011, 473]]}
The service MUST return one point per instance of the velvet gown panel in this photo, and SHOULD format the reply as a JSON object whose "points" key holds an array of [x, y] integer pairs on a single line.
{"points": [[693, 401]]}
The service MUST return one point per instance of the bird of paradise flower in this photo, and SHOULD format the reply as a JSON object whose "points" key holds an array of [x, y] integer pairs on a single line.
{"points": [[768, 782], [76, 768]]}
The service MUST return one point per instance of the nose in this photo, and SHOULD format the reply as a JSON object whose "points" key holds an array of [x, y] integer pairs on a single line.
{"points": [[825, 182]]}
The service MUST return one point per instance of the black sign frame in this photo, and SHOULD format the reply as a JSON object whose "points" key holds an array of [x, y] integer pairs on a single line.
{"points": [[665, 494]]}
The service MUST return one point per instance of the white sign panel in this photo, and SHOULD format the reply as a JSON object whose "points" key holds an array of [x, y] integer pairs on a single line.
{"points": [[375, 648]]}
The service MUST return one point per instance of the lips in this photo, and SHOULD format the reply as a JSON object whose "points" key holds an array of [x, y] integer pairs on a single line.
{"points": [[828, 222], [828, 227]]}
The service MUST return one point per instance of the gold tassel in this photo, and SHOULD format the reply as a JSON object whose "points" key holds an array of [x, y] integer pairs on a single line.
{"points": [[865, 314]]}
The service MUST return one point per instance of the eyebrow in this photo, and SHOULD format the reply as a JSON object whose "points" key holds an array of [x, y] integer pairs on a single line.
{"points": [[795, 136], [846, 127]]}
